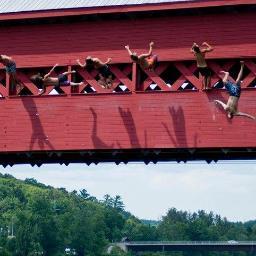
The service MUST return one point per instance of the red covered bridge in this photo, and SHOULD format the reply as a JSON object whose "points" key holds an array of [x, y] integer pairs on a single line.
{"points": [[148, 116]]}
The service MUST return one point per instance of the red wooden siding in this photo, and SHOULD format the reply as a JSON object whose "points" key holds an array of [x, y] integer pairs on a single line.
{"points": [[132, 120], [233, 36], [143, 120]]}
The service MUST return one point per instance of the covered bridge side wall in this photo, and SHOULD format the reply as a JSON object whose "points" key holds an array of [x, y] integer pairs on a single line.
{"points": [[134, 120], [232, 34]]}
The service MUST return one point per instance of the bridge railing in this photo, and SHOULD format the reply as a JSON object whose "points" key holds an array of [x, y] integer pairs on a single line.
{"points": [[190, 243], [129, 78]]}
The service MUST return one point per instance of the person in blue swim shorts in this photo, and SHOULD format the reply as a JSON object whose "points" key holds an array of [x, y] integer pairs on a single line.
{"points": [[234, 90], [48, 80]]}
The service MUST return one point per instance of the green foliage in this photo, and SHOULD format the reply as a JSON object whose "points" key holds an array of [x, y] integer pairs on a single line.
{"points": [[45, 220], [36, 219]]}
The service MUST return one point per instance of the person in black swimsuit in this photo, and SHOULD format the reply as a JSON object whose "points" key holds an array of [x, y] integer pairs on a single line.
{"points": [[48, 80], [105, 75], [199, 53]]}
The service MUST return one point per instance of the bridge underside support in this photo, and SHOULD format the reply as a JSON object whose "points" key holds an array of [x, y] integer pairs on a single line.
{"points": [[124, 156]]}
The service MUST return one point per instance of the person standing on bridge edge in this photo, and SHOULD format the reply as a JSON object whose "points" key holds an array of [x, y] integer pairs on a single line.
{"points": [[147, 60], [234, 90], [105, 75], [47, 80], [10, 67], [199, 53]]}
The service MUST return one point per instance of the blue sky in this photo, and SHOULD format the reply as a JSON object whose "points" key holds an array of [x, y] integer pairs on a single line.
{"points": [[148, 191]]}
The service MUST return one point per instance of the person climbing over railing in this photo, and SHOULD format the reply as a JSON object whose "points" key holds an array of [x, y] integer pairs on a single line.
{"points": [[10, 67], [234, 90], [199, 53], [105, 75], [146, 61], [48, 80]]}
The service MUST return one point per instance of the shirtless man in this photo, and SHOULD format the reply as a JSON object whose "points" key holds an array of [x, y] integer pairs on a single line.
{"points": [[199, 53], [105, 75], [147, 60], [47, 80], [10, 67], [234, 90]]}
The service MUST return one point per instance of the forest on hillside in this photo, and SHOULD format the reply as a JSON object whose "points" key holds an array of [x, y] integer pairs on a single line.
{"points": [[36, 219]]}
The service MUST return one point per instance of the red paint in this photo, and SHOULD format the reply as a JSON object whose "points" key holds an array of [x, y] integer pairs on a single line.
{"points": [[124, 9], [133, 120], [143, 120]]}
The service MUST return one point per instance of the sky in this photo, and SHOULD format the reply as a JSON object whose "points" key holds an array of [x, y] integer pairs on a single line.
{"points": [[148, 191]]}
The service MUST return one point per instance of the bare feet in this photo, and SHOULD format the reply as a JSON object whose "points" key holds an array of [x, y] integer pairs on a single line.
{"points": [[224, 72]]}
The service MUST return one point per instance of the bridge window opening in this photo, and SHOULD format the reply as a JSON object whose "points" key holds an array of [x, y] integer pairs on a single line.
{"points": [[153, 87], [126, 69], [142, 76], [24, 92], [234, 70], [252, 84], [2, 78], [187, 86], [218, 85], [121, 88], [170, 75], [53, 92], [88, 89]]}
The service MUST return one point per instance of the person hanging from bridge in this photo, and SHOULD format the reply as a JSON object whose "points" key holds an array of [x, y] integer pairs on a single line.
{"points": [[105, 75], [234, 90], [199, 53], [147, 61], [48, 80], [10, 67]]}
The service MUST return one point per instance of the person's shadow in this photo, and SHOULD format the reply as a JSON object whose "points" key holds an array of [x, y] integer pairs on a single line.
{"points": [[38, 135], [97, 141], [130, 127], [178, 122]]}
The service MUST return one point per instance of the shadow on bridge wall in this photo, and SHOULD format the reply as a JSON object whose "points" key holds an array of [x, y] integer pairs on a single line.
{"points": [[130, 127], [97, 142], [178, 122], [38, 134]]}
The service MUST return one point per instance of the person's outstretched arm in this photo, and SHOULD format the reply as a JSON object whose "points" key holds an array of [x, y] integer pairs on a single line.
{"points": [[192, 48], [106, 62], [48, 74], [69, 72], [128, 49], [145, 55], [80, 64], [244, 114], [208, 48]]}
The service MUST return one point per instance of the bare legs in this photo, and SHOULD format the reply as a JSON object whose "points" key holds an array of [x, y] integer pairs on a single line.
{"points": [[105, 82], [240, 74], [225, 78]]}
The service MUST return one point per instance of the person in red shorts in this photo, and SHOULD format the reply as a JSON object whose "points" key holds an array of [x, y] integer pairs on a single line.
{"points": [[147, 61]]}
